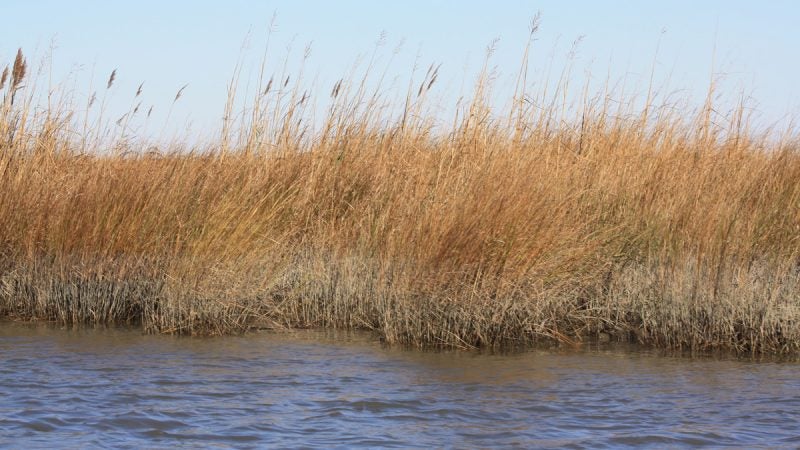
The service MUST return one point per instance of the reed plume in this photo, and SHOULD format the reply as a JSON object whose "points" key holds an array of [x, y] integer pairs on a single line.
{"points": [[19, 70], [111, 79], [4, 78]]}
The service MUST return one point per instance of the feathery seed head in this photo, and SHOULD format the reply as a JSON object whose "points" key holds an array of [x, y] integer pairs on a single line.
{"points": [[4, 77], [111, 78], [269, 85], [18, 72], [180, 92]]}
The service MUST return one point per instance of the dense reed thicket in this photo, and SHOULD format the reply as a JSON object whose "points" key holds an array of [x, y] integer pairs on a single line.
{"points": [[537, 223]]}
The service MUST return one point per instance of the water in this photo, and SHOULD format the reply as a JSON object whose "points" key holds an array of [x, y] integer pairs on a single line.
{"points": [[116, 388]]}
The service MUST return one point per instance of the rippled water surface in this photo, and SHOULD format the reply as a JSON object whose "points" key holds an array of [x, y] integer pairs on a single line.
{"points": [[114, 388]]}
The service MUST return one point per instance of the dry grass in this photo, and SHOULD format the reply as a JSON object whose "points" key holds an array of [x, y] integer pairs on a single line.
{"points": [[507, 229]]}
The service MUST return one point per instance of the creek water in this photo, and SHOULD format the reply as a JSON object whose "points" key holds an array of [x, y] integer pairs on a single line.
{"points": [[68, 388]]}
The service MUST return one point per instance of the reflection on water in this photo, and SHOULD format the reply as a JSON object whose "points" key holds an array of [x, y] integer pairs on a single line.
{"points": [[103, 388]]}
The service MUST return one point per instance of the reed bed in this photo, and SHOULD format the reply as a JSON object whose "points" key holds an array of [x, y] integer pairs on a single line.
{"points": [[540, 223]]}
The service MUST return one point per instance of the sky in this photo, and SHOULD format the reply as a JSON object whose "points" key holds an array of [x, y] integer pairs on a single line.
{"points": [[750, 46]]}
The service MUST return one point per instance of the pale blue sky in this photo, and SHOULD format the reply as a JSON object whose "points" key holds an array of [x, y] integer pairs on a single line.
{"points": [[166, 44]]}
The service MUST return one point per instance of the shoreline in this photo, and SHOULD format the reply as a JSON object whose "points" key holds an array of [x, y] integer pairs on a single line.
{"points": [[628, 308], [585, 345]]}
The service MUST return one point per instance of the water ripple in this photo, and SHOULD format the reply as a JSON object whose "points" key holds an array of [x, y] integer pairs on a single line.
{"points": [[112, 388]]}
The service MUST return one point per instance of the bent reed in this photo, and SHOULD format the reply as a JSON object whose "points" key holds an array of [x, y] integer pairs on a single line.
{"points": [[541, 223]]}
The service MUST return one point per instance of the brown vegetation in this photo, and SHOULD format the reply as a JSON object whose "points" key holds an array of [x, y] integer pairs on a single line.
{"points": [[505, 229]]}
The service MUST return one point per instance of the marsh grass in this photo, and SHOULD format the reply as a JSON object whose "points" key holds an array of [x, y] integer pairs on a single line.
{"points": [[541, 223]]}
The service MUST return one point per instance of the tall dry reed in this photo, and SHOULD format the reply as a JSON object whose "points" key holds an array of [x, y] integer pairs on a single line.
{"points": [[534, 224]]}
